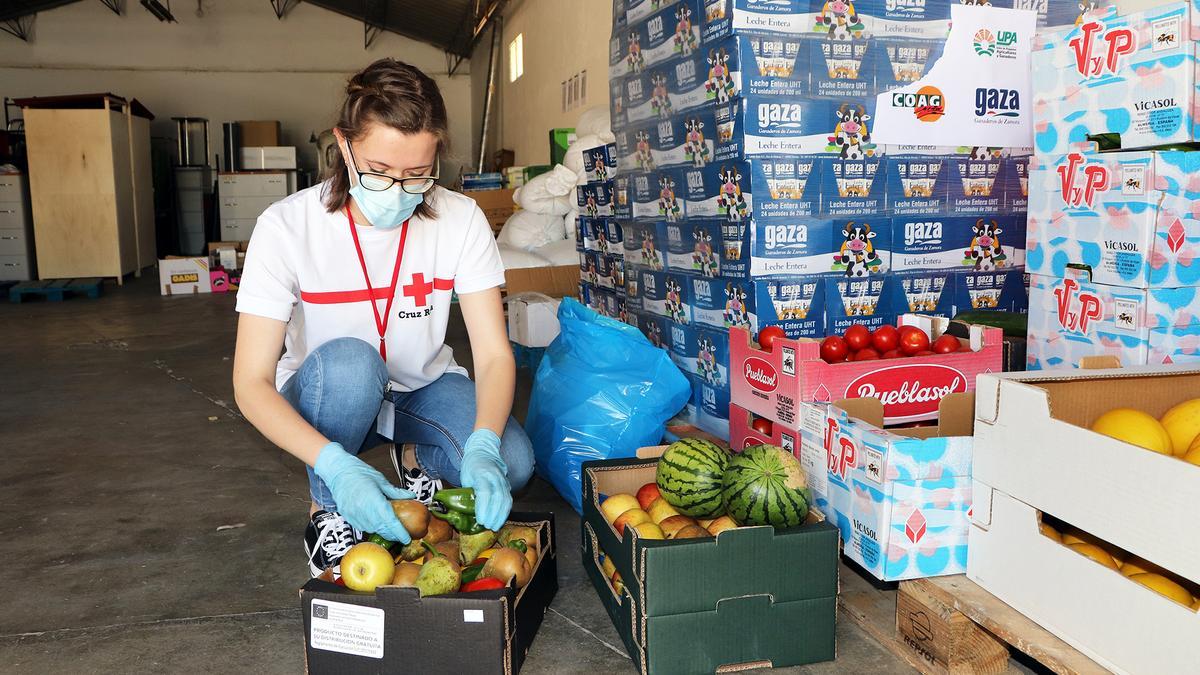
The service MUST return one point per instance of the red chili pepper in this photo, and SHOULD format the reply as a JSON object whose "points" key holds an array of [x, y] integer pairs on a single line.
{"points": [[484, 584]]}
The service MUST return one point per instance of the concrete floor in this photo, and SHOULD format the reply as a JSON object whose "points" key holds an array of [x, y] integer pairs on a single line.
{"points": [[149, 528]]}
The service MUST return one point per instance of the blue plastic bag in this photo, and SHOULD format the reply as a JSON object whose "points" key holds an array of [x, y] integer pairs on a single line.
{"points": [[601, 391]]}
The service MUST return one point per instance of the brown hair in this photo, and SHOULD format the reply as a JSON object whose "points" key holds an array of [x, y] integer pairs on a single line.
{"points": [[395, 94]]}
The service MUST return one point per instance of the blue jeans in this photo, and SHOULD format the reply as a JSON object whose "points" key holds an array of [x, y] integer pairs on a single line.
{"points": [[341, 385]]}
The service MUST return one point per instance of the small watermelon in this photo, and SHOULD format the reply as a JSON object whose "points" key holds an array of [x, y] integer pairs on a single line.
{"points": [[690, 477], [765, 485]]}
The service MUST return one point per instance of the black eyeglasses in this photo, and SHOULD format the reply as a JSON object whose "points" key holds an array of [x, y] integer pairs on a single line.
{"points": [[378, 182]]}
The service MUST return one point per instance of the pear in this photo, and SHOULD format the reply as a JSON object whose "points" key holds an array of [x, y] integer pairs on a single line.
{"points": [[439, 531], [446, 548], [406, 575], [438, 576], [471, 545], [413, 515]]}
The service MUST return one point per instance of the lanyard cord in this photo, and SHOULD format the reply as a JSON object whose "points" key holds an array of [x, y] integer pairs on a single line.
{"points": [[381, 323]]}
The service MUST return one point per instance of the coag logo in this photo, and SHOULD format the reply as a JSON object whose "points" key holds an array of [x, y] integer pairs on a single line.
{"points": [[997, 102], [1095, 179], [785, 236], [928, 233], [1076, 308], [1097, 51], [928, 103], [780, 115]]}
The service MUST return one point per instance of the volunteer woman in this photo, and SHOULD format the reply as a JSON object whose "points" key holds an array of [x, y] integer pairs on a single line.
{"points": [[352, 281]]}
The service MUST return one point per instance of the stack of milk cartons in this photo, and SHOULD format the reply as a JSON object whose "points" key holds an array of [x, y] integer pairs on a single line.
{"points": [[598, 236], [1114, 237]]}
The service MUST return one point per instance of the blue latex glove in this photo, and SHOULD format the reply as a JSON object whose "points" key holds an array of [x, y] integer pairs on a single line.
{"points": [[361, 493], [483, 470]]}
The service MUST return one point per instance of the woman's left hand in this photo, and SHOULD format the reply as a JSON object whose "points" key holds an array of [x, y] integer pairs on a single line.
{"points": [[484, 470]]}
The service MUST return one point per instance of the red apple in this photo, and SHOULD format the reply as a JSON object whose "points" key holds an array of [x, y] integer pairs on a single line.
{"points": [[647, 494]]}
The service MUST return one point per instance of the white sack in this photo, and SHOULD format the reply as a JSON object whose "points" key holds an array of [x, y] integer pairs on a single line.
{"points": [[595, 121], [552, 192], [559, 252], [515, 258], [528, 230]]}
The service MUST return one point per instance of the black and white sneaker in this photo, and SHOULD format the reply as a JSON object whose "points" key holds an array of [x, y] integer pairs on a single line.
{"points": [[415, 480], [326, 540]]}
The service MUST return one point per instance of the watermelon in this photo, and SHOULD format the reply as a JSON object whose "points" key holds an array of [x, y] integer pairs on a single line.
{"points": [[690, 477], [765, 485]]}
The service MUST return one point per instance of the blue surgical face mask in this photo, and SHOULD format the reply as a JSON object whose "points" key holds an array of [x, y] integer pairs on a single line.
{"points": [[387, 209]]}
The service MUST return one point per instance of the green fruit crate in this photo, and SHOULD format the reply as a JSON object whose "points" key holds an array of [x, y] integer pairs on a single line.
{"points": [[757, 595]]}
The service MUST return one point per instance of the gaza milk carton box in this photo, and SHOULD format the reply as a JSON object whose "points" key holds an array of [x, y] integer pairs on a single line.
{"points": [[854, 187], [645, 244], [848, 248], [988, 242], [844, 68], [710, 247], [600, 163], [1129, 74], [767, 125], [782, 17], [719, 304], [738, 191], [924, 19], [666, 294], [899, 497], [871, 301], [595, 199]]}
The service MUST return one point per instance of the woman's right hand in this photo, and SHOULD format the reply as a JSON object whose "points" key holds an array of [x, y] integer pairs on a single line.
{"points": [[361, 493]]}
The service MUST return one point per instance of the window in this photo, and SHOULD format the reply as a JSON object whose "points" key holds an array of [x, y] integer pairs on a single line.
{"points": [[516, 58]]}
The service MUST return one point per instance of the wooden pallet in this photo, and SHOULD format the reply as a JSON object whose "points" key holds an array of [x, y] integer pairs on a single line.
{"points": [[55, 290], [949, 625]]}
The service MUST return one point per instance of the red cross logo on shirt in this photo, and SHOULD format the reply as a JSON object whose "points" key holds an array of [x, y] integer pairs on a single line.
{"points": [[419, 290]]}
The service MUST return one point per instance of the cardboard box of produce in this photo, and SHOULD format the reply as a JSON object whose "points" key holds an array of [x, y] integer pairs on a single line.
{"points": [[497, 205], [394, 629], [558, 281], [260, 133], [917, 483], [774, 383], [747, 429], [745, 582]]}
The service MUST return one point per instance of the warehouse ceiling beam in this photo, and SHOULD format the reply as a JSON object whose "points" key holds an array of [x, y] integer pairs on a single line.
{"points": [[374, 13], [159, 10], [282, 7], [117, 6], [21, 27], [478, 16]]}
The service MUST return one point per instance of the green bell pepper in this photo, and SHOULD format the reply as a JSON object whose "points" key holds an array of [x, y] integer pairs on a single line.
{"points": [[456, 499], [377, 539], [471, 572], [463, 521]]}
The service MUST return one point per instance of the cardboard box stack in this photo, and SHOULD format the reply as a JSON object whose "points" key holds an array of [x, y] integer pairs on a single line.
{"points": [[751, 193], [598, 236], [1113, 236]]}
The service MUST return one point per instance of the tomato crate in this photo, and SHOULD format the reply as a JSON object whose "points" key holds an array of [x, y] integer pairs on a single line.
{"points": [[774, 384], [743, 433], [741, 583]]}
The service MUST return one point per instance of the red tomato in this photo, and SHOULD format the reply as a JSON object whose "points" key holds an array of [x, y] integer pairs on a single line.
{"points": [[768, 336], [866, 354], [857, 337], [762, 425], [885, 338], [913, 340], [925, 352], [946, 344], [891, 354], [834, 349]]}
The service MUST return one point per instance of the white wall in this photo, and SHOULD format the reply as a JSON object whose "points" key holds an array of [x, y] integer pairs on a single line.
{"points": [[237, 61]]}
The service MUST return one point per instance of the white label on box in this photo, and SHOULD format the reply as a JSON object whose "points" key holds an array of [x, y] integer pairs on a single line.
{"points": [[1133, 179], [1166, 33], [228, 258], [873, 465], [347, 629], [789, 361], [472, 616], [1125, 314], [787, 442]]}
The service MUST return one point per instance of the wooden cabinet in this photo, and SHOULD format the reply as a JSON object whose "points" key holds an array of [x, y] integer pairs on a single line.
{"points": [[90, 184]]}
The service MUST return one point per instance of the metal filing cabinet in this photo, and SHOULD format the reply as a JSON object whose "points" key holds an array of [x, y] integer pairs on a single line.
{"points": [[16, 229], [193, 187], [245, 195]]}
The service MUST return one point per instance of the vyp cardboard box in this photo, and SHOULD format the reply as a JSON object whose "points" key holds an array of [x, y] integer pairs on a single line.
{"points": [[774, 384], [741, 583], [184, 276], [395, 629], [1128, 218], [899, 497], [1131, 74], [1036, 456], [1071, 319]]}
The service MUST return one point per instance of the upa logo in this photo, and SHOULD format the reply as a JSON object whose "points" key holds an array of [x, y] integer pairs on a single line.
{"points": [[840, 451], [761, 375], [1097, 51], [1095, 179], [909, 392], [1001, 44], [928, 103], [1077, 308]]}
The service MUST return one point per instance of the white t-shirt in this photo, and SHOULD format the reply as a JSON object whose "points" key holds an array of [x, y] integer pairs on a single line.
{"points": [[302, 268]]}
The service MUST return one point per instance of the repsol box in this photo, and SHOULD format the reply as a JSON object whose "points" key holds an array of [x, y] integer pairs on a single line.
{"points": [[976, 182], [985, 243], [646, 244], [899, 497], [844, 68], [685, 139], [1129, 74], [774, 384], [869, 301], [682, 346], [795, 304], [600, 163], [902, 61], [595, 199], [742, 582], [719, 304], [665, 294], [927, 292], [723, 17], [755, 125], [394, 628], [848, 248], [918, 184], [853, 187], [1003, 291], [1128, 218]]}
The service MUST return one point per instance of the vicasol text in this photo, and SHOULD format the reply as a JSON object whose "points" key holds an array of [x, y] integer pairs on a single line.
{"points": [[909, 392], [1154, 104]]}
